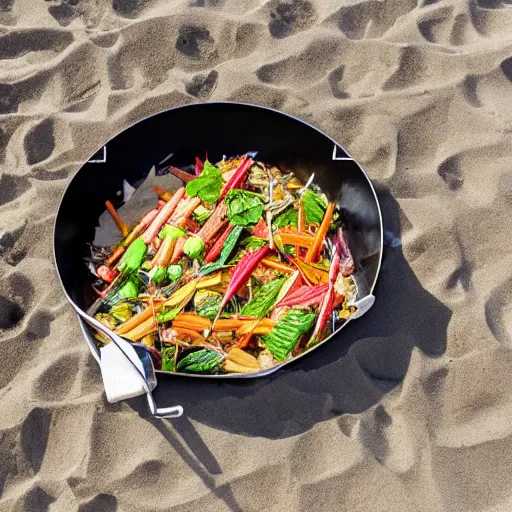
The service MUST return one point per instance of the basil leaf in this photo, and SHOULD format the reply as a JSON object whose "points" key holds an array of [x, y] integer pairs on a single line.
{"points": [[314, 207], [263, 299], [208, 185], [244, 208]]}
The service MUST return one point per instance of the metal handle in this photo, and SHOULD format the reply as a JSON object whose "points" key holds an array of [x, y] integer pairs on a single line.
{"points": [[148, 377]]}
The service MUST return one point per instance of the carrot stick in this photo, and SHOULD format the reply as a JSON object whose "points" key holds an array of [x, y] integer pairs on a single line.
{"points": [[140, 227], [290, 236], [281, 267], [191, 321], [189, 332], [118, 252], [120, 224], [162, 216], [314, 250]]}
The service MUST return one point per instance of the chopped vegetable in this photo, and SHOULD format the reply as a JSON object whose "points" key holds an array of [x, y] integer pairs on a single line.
{"points": [[133, 257], [194, 247], [157, 274], [168, 362], [244, 208], [289, 218], [207, 303], [314, 250], [208, 185], [263, 299], [201, 361], [201, 214], [174, 272], [171, 232], [314, 207], [286, 334], [238, 176]]}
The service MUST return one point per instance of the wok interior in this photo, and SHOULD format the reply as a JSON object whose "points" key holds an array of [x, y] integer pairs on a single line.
{"points": [[221, 129]]}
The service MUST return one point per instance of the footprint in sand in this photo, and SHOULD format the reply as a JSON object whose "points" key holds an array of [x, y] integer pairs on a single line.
{"points": [[56, 381], [130, 8], [100, 503], [12, 187], [15, 297], [34, 436], [35, 499], [288, 18], [451, 173], [39, 142], [202, 86], [498, 312], [506, 67], [335, 82], [11, 313], [354, 19], [64, 13], [196, 42], [6, 5], [19, 43]]}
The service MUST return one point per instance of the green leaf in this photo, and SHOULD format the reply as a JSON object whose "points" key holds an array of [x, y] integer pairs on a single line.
{"points": [[289, 218], [314, 207], [201, 361], [208, 185], [171, 232], [263, 299], [253, 242], [168, 354], [285, 335], [244, 208]]}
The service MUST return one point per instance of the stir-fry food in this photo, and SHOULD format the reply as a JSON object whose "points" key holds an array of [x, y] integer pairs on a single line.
{"points": [[239, 270]]}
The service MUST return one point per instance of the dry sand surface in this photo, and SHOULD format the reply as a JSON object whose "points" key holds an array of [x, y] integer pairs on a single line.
{"points": [[410, 409]]}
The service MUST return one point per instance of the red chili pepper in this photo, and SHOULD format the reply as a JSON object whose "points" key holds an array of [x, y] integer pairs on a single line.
{"points": [[214, 252], [242, 271], [198, 167], [106, 274], [238, 176], [305, 296]]}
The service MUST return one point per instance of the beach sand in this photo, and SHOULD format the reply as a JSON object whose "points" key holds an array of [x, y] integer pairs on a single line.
{"points": [[409, 409]]}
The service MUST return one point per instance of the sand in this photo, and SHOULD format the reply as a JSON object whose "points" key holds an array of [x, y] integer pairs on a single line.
{"points": [[409, 410]]}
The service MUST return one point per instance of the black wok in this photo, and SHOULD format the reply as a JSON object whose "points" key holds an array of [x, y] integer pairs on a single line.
{"points": [[221, 129]]}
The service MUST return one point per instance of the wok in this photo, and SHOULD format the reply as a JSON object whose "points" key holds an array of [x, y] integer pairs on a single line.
{"points": [[221, 128]]}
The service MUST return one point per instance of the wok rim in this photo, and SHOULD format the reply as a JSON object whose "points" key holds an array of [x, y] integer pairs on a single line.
{"points": [[262, 373]]}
